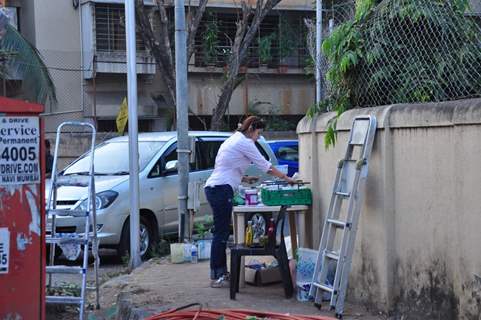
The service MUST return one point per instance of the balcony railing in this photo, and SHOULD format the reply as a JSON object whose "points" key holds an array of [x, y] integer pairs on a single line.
{"points": [[297, 59]]}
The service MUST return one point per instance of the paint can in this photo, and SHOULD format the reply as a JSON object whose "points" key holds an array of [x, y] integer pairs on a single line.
{"points": [[251, 197]]}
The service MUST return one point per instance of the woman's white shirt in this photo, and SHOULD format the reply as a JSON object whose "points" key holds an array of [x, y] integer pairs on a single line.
{"points": [[234, 156]]}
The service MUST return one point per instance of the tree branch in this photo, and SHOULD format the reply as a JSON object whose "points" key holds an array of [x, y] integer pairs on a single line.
{"points": [[260, 13], [159, 50], [193, 26], [232, 78], [246, 31], [165, 37]]}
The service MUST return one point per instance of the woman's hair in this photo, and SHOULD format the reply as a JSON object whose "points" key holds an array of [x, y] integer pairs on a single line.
{"points": [[251, 123]]}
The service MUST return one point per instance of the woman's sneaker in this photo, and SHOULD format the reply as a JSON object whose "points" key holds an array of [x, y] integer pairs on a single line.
{"points": [[221, 282]]}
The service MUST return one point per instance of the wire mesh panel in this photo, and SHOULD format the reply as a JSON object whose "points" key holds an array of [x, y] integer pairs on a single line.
{"points": [[404, 51], [66, 72], [418, 51], [333, 14]]}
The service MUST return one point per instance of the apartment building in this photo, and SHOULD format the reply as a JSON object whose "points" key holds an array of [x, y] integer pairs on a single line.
{"points": [[83, 45]]}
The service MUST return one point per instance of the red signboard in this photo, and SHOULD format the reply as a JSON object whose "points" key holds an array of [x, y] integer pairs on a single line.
{"points": [[22, 215]]}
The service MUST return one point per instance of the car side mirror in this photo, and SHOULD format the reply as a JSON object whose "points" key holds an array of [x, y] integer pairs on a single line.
{"points": [[171, 166]]}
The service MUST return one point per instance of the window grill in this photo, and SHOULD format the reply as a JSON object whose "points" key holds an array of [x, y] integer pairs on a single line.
{"points": [[225, 26], [110, 29]]}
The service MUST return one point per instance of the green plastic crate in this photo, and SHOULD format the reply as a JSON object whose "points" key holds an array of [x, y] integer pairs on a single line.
{"points": [[286, 197]]}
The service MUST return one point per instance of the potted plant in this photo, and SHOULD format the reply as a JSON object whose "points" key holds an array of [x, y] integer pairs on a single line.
{"points": [[211, 43], [265, 56]]}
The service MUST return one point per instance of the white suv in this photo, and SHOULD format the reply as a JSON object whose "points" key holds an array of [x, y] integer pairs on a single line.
{"points": [[158, 186]]}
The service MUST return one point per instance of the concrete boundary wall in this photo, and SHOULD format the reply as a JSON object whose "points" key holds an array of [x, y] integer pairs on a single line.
{"points": [[418, 249]]}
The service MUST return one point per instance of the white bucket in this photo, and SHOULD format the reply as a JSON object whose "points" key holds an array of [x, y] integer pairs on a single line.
{"points": [[177, 252]]}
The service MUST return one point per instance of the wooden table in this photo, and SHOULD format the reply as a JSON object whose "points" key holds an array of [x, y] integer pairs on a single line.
{"points": [[293, 212]]}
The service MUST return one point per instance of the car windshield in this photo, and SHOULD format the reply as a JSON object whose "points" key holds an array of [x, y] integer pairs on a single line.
{"points": [[112, 158]]}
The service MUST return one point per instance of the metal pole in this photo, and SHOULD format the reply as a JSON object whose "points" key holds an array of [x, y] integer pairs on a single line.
{"points": [[94, 84], [318, 49], [82, 71], [133, 134], [181, 93]]}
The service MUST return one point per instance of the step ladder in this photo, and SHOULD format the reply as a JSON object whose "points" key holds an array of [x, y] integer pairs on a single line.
{"points": [[87, 240], [339, 230]]}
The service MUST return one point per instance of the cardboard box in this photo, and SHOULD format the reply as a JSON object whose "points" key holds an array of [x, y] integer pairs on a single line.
{"points": [[261, 276]]}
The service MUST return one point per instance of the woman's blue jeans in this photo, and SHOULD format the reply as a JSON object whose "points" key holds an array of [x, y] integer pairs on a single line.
{"points": [[220, 199]]}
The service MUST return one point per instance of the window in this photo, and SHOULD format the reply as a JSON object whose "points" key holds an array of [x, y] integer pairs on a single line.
{"points": [[206, 153], [170, 155], [285, 33], [262, 151], [110, 28], [288, 153], [12, 14]]}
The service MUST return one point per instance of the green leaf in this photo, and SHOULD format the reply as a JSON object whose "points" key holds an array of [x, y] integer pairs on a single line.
{"points": [[330, 136], [352, 57], [327, 46], [345, 63]]}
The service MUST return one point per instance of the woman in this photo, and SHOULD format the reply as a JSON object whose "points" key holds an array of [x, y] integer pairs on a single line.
{"points": [[233, 158]]}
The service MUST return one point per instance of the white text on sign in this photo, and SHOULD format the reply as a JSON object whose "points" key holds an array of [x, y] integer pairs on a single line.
{"points": [[19, 150]]}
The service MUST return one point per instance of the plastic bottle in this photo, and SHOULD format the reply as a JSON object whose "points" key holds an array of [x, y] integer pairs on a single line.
{"points": [[249, 237], [271, 234], [194, 254]]}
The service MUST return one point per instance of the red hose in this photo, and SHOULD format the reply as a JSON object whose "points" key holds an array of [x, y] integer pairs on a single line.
{"points": [[229, 314]]}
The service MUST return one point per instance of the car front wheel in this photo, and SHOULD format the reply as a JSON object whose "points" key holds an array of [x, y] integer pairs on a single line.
{"points": [[146, 239]]}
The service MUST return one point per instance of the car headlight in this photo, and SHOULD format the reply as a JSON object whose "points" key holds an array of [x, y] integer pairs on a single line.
{"points": [[102, 200]]}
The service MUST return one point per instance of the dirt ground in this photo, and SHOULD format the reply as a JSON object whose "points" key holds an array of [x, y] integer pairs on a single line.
{"points": [[158, 285]]}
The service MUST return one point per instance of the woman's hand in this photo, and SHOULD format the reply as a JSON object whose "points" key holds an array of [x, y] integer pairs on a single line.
{"points": [[250, 179], [290, 180], [275, 172]]}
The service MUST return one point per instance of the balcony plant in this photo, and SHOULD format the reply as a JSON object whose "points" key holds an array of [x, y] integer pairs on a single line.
{"points": [[211, 43], [265, 54]]}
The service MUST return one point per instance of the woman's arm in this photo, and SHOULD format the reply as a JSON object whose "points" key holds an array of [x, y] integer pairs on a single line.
{"points": [[273, 171]]}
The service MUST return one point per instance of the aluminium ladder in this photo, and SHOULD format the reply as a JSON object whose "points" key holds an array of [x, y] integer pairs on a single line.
{"points": [[343, 216], [85, 240]]}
